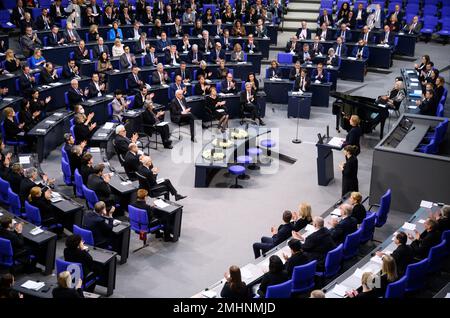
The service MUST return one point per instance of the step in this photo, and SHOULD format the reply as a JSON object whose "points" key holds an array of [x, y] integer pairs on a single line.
{"points": [[296, 24], [308, 16], [306, 7], [303, 1]]}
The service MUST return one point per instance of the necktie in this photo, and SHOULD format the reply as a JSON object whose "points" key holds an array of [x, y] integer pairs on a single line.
{"points": [[339, 50], [101, 48], [326, 19], [55, 37], [183, 76], [182, 105], [366, 36], [136, 78], [70, 34], [343, 35], [386, 37]]}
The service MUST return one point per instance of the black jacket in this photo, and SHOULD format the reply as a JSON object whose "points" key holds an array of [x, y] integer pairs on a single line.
{"points": [[403, 255], [101, 227], [300, 224], [25, 187], [76, 255], [121, 144], [359, 212], [144, 206], [242, 294], [296, 259], [16, 239], [46, 78], [82, 132], [85, 171], [176, 109], [14, 179], [353, 137], [343, 228], [46, 210], [11, 129], [284, 232], [51, 41], [350, 175], [150, 178], [131, 163], [132, 84], [67, 293], [75, 97], [318, 244], [427, 240], [270, 279], [99, 186]]}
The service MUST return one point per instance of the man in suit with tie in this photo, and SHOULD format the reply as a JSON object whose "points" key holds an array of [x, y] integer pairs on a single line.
{"points": [[44, 22], [150, 59], [70, 70], [387, 37], [195, 56], [183, 72], [344, 33], [305, 55], [172, 56], [324, 33], [26, 81], [397, 12], [99, 48], [302, 82], [250, 46], [70, 34], [178, 85], [249, 103], [160, 77], [428, 105], [319, 75], [121, 141], [131, 161], [360, 15], [54, 39], [340, 48], [75, 94], [96, 89], [414, 27], [127, 59], [163, 44], [99, 183], [366, 36], [229, 85], [29, 42], [347, 225], [217, 54], [134, 79], [303, 33], [292, 46], [135, 32], [141, 47], [180, 113], [316, 47], [326, 17], [361, 51], [206, 44]]}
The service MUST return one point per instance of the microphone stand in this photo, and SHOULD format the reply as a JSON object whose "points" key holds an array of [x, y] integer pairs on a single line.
{"points": [[296, 140]]}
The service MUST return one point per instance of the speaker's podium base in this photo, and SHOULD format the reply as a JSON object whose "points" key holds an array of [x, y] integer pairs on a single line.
{"points": [[325, 164]]}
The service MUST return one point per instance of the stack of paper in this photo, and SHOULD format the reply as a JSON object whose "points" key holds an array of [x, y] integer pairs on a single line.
{"points": [[163, 123], [161, 204], [94, 149], [24, 160], [336, 212], [340, 290], [30, 284], [409, 226], [336, 141], [426, 204], [377, 259], [36, 231]]}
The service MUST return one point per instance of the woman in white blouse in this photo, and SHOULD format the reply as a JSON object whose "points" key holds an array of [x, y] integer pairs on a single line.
{"points": [[117, 49]]}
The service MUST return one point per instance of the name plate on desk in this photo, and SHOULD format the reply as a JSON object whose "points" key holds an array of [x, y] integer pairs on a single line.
{"points": [[41, 130], [58, 114], [102, 135], [50, 122], [55, 84], [8, 99], [161, 204], [108, 126]]}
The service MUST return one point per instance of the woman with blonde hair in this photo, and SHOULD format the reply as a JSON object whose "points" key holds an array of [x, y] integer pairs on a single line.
{"points": [[65, 290], [388, 273], [11, 63], [40, 198], [117, 49], [354, 133], [359, 211], [12, 129], [93, 33], [302, 217], [367, 289], [237, 55]]}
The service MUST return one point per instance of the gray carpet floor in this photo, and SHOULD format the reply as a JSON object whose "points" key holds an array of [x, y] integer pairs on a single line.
{"points": [[220, 224]]}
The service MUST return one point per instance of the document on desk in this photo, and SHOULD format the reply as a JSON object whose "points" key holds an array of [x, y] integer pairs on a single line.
{"points": [[57, 114], [340, 290], [108, 126], [410, 72], [24, 160], [41, 130], [161, 204], [31, 284], [102, 135], [55, 84], [351, 58], [126, 182], [447, 296], [409, 226], [250, 271], [413, 79], [36, 231], [8, 99], [421, 221], [336, 212], [51, 122], [163, 123], [417, 92], [412, 107], [94, 149], [336, 141], [426, 204], [377, 259]]}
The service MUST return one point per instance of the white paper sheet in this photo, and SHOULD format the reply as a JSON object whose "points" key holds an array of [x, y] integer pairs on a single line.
{"points": [[30, 284], [336, 141], [340, 290], [161, 204], [426, 204], [409, 226], [24, 160]]}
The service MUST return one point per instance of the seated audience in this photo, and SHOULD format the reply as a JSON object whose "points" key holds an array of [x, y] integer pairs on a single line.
{"points": [[234, 288], [347, 225], [100, 223], [297, 257], [403, 254], [358, 211], [422, 243], [276, 275], [64, 290]]}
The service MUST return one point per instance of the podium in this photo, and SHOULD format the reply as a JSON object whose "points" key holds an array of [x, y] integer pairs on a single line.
{"points": [[325, 165], [299, 105], [320, 94], [353, 69]]}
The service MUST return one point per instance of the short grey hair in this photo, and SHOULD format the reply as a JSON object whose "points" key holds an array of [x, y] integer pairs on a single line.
{"points": [[446, 210], [346, 209], [119, 128], [28, 173], [318, 221]]}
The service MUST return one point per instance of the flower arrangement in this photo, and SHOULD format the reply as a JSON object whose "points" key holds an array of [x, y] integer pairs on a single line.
{"points": [[222, 143], [216, 156], [239, 134]]}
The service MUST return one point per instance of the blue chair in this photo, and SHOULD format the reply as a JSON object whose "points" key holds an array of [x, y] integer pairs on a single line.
{"points": [[280, 291], [368, 228], [383, 208], [64, 154], [446, 237], [303, 277], [284, 58], [5, 20], [6, 253], [416, 275], [435, 256], [236, 170], [430, 148], [62, 266], [78, 184], [429, 24], [91, 196], [15, 143], [131, 100], [412, 8], [445, 27], [15, 207], [67, 174], [396, 289], [33, 215], [86, 235], [351, 244], [110, 113], [66, 100], [140, 224], [429, 10], [72, 131], [439, 132], [332, 262], [218, 86], [4, 187]]}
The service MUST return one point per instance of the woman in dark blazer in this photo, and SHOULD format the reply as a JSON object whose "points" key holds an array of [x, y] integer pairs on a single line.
{"points": [[216, 108], [75, 252], [26, 116], [41, 200], [355, 133], [273, 71], [303, 217], [253, 80], [349, 170], [12, 129], [276, 275], [65, 290], [359, 211], [235, 288], [201, 88], [83, 129]]}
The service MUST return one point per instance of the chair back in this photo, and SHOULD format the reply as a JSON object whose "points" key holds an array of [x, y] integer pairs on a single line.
{"points": [[143, 182], [67, 174], [435, 257], [138, 219], [4, 187], [131, 100], [385, 205], [33, 214], [66, 99], [446, 237], [64, 154], [416, 275], [6, 253], [62, 266], [333, 261], [368, 228], [91, 196], [351, 244], [86, 235], [78, 184], [396, 289], [303, 277], [15, 206], [282, 290]]}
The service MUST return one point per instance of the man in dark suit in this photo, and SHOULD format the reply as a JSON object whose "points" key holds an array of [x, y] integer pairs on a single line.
{"points": [[249, 104], [360, 15], [403, 254], [140, 46], [176, 85], [75, 94], [96, 89], [292, 46], [57, 11], [306, 54], [121, 141], [397, 12], [164, 43], [326, 17], [250, 46], [70, 70], [278, 235], [94, 12], [28, 182], [303, 33], [317, 47], [422, 243], [70, 34], [44, 21], [100, 223], [340, 48], [347, 225], [148, 173], [414, 27], [160, 77], [323, 33], [81, 53], [99, 48], [428, 105], [184, 73], [134, 79], [171, 57], [361, 51], [194, 55], [319, 75], [15, 177], [54, 39], [140, 97], [387, 37], [366, 35], [344, 33], [131, 161], [27, 81], [127, 59], [317, 244], [99, 183], [206, 45], [229, 85], [217, 54], [180, 113], [297, 257], [302, 82]]}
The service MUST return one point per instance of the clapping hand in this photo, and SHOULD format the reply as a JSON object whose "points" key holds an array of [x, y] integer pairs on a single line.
{"points": [[106, 177], [92, 126], [18, 227], [48, 99], [273, 230], [36, 113], [134, 138], [21, 125]]}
